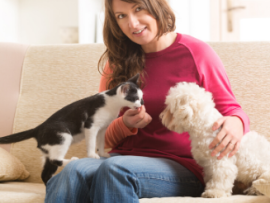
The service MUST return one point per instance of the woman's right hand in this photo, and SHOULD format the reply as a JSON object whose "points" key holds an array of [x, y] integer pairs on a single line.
{"points": [[136, 118]]}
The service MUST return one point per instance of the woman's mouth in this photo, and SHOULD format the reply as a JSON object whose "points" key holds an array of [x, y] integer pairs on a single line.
{"points": [[139, 31]]}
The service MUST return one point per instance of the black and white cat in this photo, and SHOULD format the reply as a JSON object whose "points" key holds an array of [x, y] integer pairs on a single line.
{"points": [[87, 118]]}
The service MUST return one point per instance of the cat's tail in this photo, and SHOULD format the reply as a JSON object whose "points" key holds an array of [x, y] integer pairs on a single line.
{"points": [[17, 137]]}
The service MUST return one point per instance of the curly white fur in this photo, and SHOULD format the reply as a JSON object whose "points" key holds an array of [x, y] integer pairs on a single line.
{"points": [[189, 108]]}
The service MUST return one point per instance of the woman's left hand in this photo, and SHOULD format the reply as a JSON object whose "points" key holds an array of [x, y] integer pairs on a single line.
{"points": [[229, 137]]}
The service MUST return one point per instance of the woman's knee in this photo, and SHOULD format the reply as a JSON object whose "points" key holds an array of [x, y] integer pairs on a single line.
{"points": [[82, 167], [115, 172], [116, 168], [114, 164], [71, 167]]}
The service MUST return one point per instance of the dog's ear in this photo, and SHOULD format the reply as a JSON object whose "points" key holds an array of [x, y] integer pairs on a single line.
{"points": [[180, 129], [167, 118], [184, 113], [171, 122]]}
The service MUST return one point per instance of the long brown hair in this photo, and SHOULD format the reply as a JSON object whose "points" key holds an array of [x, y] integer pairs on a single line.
{"points": [[125, 57]]}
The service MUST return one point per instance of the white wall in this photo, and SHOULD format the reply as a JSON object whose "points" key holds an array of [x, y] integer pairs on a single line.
{"points": [[9, 20], [192, 17], [41, 20], [89, 20]]}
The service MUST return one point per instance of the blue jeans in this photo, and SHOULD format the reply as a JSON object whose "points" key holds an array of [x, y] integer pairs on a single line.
{"points": [[121, 179]]}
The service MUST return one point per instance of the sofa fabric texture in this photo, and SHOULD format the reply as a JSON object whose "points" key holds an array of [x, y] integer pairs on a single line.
{"points": [[56, 75]]}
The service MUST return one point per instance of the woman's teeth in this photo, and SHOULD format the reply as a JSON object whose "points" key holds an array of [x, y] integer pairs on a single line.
{"points": [[139, 31]]}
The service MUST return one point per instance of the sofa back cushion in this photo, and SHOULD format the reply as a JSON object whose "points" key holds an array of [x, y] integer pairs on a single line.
{"points": [[248, 67], [56, 75]]}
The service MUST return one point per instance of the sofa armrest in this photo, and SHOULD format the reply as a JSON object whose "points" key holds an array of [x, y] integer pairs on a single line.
{"points": [[11, 62]]}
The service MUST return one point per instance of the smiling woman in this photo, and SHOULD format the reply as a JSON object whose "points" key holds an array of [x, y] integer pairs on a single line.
{"points": [[140, 23], [137, 24]]}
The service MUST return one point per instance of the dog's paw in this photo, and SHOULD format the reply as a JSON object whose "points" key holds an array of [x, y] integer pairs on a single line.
{"points": [[215, 193], [94, 156], [104, 154], [252, 191]]}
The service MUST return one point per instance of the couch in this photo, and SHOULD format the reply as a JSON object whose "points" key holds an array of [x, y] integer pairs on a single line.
{"points": [[37, 80]]}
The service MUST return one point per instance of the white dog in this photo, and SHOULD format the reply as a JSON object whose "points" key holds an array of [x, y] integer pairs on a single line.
{"points": [[191, 109]]}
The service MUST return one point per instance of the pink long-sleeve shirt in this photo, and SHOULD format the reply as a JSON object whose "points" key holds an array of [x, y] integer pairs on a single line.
{"points": [[187, 59]]}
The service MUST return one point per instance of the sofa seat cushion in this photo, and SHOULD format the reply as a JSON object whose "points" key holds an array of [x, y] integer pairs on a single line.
{"points": [[22, 192], [232, 199]]}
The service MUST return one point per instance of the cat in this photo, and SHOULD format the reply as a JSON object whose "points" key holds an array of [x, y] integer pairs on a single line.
{"points": [[87, 118]]}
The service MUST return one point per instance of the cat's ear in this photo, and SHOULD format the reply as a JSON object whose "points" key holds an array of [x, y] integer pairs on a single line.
{"points": [[134, 79], [125, 88]]}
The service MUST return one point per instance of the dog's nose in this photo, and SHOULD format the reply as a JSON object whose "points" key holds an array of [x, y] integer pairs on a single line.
{"points": [[142, 102]]}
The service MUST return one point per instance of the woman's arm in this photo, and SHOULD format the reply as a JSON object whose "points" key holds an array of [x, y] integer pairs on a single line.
{"points": [[117, 130], [235, 122], [125, 125], [230, 135]]}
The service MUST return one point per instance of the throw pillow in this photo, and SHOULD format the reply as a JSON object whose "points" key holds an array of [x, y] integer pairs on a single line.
{"points": [[11, 168]]}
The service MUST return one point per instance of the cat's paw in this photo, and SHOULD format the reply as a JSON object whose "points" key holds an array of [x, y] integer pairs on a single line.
{"points": [[215, 193], [74, 158], [104, 154], [94, 156]]}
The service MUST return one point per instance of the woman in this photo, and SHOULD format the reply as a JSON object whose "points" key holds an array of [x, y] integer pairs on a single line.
{"points": [[139, 38]]}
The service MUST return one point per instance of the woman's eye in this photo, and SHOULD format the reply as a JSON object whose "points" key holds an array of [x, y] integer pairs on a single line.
{"points": [[138, 8], [121, 16]]}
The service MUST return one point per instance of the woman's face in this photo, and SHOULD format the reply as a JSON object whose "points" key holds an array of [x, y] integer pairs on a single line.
{"points": [[135, 22]]}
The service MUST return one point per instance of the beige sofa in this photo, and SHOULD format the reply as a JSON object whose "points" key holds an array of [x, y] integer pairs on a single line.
{"points": [[35, 81]]}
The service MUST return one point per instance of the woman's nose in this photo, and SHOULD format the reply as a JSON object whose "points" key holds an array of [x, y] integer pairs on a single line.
{"points": [[133, 21]]}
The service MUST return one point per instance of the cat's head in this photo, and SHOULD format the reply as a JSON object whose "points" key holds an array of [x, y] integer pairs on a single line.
{"points": [[131, 93]]}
